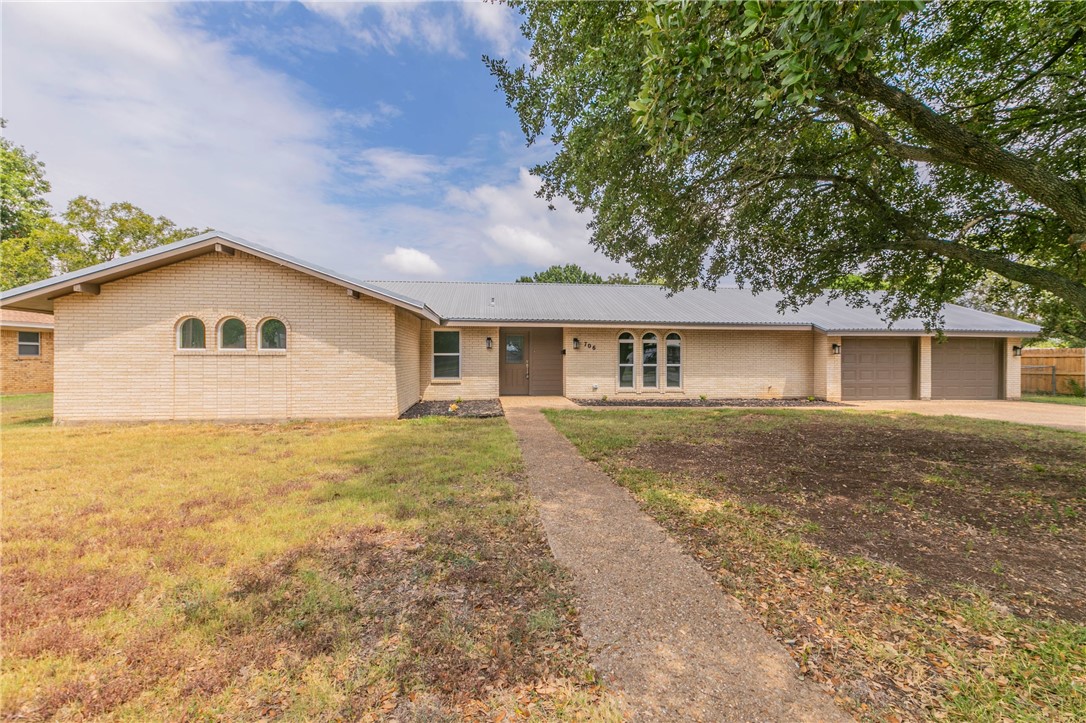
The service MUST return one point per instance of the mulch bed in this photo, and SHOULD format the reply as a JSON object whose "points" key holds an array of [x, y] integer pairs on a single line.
{"points": [[477, 408], [686, 402]]}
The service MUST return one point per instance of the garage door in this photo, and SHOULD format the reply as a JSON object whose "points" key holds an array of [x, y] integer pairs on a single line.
{"points": [[965, 368], [878, 368]]}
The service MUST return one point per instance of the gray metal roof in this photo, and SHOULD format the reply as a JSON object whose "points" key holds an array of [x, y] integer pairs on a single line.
{"points": [[636, 305], [511, 303]]}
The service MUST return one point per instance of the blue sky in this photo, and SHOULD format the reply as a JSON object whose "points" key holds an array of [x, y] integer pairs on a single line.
{"points": [[367, 137]]}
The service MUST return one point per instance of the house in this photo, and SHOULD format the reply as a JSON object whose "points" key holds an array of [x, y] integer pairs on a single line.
{"points": [[215, 327], [26, 352]]}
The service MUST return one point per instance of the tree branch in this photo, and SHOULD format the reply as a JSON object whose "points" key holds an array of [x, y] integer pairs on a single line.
{"points": [[1064, 197]]}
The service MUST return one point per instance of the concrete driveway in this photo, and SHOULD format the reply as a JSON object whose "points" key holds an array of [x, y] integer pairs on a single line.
{"points": [[1060, 416]]}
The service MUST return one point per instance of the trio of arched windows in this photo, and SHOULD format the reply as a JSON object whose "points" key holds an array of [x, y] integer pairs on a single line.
{"points": [[271, 334], [653, 370]]}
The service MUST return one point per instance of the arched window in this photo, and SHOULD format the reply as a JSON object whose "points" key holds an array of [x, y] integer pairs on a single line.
{"points": [[648, 361], [625, 360], [232, 334], [273, 334], [190, 334], [674, 361]]}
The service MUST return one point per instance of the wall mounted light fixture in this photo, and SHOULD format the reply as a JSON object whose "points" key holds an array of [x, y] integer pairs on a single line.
{"points": [[835, 349], [1017, 350], [489, 343], [576, 343]]}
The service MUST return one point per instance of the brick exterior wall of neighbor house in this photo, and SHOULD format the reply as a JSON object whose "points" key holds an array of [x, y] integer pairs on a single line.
{"points": [[478, 365], [25, 375], [715, 363], [117, 356]]}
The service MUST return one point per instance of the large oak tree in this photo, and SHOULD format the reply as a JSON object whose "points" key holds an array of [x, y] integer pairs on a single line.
{"points": [[812, 146]]}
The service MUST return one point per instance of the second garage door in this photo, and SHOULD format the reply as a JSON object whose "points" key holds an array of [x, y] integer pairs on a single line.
{"points": [[964, 368], [878, 368]]}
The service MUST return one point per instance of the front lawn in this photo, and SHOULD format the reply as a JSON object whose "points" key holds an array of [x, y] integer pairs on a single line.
{"points": [[1055, 399], [337, 571], [922, 567]]}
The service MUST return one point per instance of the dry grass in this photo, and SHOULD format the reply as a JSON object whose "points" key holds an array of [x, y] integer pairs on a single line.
{"points": [[894, 642], [340, 571]]}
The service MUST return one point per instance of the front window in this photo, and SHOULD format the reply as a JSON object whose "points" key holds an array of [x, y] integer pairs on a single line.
{"points": [[29, 343], [446, 355], [674, 361], [626, 360], [273, 335], [190, 335], [648, 361], [232, 334]]}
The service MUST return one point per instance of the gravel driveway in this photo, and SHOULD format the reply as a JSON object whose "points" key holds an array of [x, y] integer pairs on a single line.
{"points": [[661, 632]]}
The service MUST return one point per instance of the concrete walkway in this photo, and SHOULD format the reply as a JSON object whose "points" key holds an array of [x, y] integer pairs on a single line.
{"points": [[1060, 416], [660, 631]]}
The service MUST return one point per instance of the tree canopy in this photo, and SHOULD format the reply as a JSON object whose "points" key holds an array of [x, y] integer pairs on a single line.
{"points": [[36, 245], [918, 148], [562, 274]]}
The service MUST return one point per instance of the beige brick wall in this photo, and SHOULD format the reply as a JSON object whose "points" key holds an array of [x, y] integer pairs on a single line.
{"points": [[722, 364], [25, 374], [825, 367], [116, 355], [1012, 370], [924, 370], [408, 358], [478, 365]]}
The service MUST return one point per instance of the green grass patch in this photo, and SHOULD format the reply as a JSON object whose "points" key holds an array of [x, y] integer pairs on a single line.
{"points": [[889, 643], [1055, 399], [355, 571]]}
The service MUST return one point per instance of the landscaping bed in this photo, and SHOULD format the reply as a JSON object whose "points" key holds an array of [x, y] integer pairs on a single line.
{"points": [[922, 567], [476, 408], [355, 571], [680, 402]]}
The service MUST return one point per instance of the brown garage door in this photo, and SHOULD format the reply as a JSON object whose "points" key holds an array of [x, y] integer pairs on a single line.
{"points": [[878, 368], [964, 368]]}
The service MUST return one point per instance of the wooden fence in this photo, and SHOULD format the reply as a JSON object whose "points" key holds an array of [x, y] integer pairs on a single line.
{"points": [[1053, 371]]}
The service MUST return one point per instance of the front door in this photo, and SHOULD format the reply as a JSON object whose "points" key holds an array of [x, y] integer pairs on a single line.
{"points": [[513, 363]]}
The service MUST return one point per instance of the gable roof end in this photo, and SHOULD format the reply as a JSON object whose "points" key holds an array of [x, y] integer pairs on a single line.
{"points": [[39, 295]]}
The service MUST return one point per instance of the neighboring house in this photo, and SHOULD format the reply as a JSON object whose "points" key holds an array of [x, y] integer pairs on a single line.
{"points": [[26, 352], [214, 327]]}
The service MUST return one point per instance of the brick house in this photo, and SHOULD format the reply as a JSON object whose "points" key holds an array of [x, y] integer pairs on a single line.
{"points": [[26, 352], [214, 327]]}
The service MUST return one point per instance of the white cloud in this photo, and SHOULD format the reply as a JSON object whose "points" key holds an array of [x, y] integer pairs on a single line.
{"points": [[431, 26], [389, 169], [411, 262], [520, 228]]}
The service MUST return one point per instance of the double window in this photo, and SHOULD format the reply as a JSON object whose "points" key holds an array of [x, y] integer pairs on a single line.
{"points": [[650, 361], [29, 343], [446, 354]]}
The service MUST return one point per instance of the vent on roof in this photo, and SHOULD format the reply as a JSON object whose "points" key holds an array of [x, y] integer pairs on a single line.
{"points": [[492, 301]]}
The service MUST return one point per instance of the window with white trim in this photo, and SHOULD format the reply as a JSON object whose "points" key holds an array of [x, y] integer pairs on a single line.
{"points": [[273, 335], [674, 361], [29, 343], [190, 334], [649, 379], [232, 334], [625, 360], [446, 354]]}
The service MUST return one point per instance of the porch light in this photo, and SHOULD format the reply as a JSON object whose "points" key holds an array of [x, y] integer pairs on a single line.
{"points": [[835, 349], [489, 343], [576, 343], [1017, 350]]}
